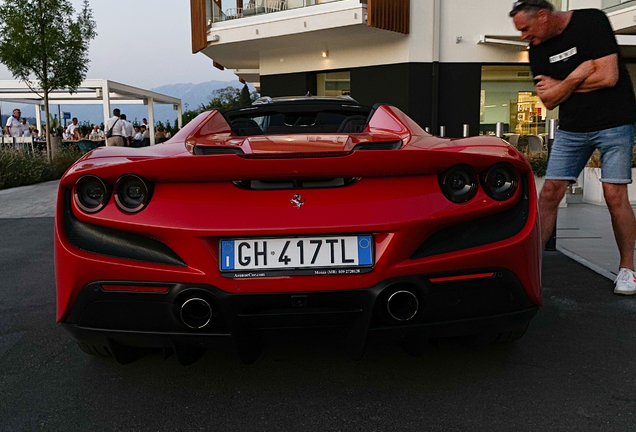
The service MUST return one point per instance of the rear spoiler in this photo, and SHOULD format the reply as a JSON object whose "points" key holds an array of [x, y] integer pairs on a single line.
{"points": [[383, 119]]}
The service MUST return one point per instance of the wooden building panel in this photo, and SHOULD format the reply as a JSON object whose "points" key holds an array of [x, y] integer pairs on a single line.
{"points": [[392, 15], [199, 26]]}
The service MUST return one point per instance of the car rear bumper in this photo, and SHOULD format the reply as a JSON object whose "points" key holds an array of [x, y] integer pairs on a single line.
{"points": [[121, 321]]}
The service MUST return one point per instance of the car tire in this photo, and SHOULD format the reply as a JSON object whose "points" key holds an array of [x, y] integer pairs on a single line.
{"points": [[96, 351]]}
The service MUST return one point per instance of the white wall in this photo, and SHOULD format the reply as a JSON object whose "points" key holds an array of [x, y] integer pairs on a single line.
{"points": [[420, 40], [470, 19], [585, 4], [355, 48], [359, 47], [292, 41]]}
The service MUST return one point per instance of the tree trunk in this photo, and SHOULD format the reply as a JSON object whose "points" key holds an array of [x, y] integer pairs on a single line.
{"points": [[49, 149]]}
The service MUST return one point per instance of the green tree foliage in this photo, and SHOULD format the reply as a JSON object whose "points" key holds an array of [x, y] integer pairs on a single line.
{"points": [[44, 45], [85, 127], [225, 98], [245, 97], [228, 98], [54, 122], [187, 116]]}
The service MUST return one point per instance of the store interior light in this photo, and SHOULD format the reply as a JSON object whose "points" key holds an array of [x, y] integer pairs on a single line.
{"points": [[325, 54]]}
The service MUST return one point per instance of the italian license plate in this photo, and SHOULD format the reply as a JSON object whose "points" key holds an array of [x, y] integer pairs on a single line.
{"points": [[296, 256]]}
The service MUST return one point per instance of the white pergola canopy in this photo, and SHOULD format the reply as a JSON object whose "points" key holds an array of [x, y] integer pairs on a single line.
{"points": [[92, 92]]}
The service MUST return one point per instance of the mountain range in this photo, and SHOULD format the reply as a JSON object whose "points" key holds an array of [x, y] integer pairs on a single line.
{"points": [[191, 95]]}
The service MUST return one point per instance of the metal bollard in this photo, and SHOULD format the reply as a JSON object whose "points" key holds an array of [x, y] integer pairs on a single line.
{"points": [[552, 126], [499, 129], [442, 131], [466, 132]]}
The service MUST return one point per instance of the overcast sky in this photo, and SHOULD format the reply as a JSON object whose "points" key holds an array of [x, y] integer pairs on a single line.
{"points": [[144, 43]]}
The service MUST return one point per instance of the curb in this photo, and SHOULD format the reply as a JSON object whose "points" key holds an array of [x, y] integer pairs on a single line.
{"points": [[595, 268]]}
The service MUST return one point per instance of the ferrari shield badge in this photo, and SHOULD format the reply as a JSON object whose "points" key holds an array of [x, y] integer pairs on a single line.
{"points": [[298, 201]]}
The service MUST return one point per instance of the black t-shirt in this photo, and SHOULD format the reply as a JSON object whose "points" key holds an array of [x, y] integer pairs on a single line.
{"points": [[588, 36]]}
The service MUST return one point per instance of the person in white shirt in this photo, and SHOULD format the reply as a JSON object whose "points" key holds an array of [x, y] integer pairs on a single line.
{"points": [[27, 133], [65, 135], [128, 128], [167, 134], [137, 136], [97, 134], [144, 132], [25, 126], [145, 123], [114, 129], [13, 127], [74, 130]]}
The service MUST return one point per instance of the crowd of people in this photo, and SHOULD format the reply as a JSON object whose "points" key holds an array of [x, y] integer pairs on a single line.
{"points": [[18, 127], [118, 126], [120, 132]]}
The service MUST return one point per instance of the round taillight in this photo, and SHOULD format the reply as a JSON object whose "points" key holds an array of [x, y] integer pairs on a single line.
{"points": [[132, 193], [500, 181], [459, 183], [90, 194]]}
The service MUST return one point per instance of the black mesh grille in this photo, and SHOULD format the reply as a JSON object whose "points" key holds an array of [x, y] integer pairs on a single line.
{"points": [[490, 229], [295, 184], [393, 145], [202, 151], [117, 244]]}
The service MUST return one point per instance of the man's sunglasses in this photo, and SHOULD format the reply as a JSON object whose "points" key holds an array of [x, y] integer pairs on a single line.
{"points": [[537, 3]]}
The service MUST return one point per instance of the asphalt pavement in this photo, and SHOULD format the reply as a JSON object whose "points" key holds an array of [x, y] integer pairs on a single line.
{"points": [[573, 371], [32, 201]]}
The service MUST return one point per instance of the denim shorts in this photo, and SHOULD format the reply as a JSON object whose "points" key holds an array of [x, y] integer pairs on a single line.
{"points": [[572, 150]]}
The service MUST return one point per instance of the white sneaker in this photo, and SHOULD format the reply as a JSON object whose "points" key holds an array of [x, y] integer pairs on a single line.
{"points": [[625, 282]]}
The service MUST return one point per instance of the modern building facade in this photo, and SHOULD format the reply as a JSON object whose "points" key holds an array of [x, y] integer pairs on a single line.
{"points": [[443, 62]]}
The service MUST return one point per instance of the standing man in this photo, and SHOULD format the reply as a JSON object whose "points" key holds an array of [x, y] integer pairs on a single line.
{"points": [[114, 129], [576, 65], [14, 125], [129, 130], [25, 132]]}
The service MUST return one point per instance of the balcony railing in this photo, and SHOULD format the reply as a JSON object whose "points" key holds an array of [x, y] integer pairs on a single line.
{"points": [[225, 10], [615, 4], [391, 15]]}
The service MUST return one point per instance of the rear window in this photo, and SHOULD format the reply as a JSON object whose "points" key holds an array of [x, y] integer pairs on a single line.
{"points": [[297, 119]]}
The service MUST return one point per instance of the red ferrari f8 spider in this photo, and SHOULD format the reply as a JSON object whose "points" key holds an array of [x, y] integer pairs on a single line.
{"points": [[305, 214]]}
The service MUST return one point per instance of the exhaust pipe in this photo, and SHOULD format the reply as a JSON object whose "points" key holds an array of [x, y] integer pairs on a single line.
{"points": [[403, 305], [196, 313]]}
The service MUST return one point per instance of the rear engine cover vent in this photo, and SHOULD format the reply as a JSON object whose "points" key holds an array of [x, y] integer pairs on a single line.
{"points": [[216, 150], [295, 184], [393, 145]]}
